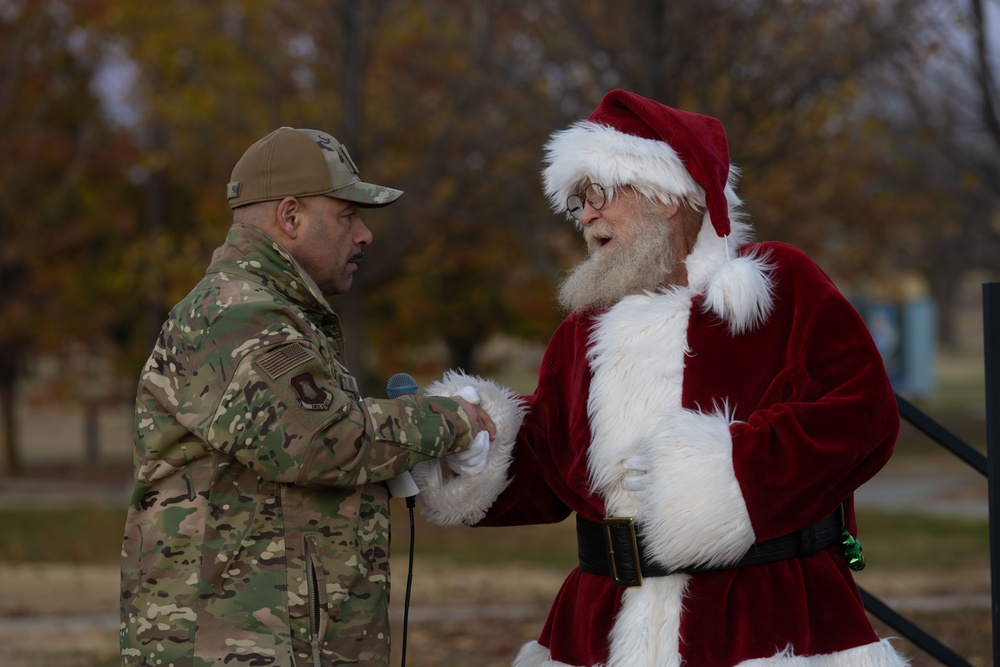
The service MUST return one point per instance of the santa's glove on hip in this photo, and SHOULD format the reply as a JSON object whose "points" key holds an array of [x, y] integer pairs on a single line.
{"points": [[637, 478]]}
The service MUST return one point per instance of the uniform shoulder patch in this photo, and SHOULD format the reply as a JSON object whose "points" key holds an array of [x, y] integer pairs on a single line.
{"points": [[284, 359], [310, 395]]}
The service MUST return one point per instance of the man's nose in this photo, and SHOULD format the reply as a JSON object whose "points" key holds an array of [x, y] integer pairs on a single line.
{"points": [[588, 214], [363, 235]]}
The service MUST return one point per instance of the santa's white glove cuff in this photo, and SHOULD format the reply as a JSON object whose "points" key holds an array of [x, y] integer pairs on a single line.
{"points": [[468, 393], [430, 471], [473, 460]]}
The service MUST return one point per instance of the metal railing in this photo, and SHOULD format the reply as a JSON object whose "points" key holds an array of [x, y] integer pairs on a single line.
{"points": [[988, 465]]}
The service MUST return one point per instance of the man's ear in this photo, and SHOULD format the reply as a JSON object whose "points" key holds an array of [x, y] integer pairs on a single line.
{"points": [[670, 210], [289, 216]]}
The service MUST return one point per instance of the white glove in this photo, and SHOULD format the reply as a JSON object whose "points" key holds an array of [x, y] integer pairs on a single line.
{"points": [[637, 468], [473, 460], [469, 393]]}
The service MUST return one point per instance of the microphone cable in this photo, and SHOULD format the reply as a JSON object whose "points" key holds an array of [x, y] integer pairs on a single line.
{"points": [[410, 503], [403, 384]]}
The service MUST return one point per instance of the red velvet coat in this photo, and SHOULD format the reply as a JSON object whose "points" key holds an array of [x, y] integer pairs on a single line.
{"points": [[759, 404]]}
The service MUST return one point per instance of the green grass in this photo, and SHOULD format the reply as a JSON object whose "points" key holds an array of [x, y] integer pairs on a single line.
{"points": [[85, 534], [550, 546], [895, 544], [893, 541], [93, 535], [959, 385]]}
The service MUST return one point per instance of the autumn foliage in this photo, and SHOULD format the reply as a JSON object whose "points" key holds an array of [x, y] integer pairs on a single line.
{"points": [[121, 122]]}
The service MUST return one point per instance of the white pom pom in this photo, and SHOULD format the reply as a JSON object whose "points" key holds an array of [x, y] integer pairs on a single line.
{"points": [[740, 292]]}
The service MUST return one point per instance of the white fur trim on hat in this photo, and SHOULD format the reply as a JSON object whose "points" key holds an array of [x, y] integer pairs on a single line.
{"points": [[447, 498], [612, 158], [738, 289], [741, 293]]}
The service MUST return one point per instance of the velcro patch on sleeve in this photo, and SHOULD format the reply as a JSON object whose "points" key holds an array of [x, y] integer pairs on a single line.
{"points": [[282, 360]]}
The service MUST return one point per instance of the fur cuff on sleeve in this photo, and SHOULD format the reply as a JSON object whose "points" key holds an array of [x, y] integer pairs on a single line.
{"points": [[448, 499], [693, 511]]}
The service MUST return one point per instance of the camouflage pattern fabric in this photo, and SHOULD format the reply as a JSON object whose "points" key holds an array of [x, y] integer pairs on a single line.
{"points": [[258, 530]]}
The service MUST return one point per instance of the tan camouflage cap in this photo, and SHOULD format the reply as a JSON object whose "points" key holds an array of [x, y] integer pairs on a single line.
{"points": [[293, 162]]}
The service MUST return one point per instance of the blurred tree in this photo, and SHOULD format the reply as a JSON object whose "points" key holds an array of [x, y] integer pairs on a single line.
{"points": [[202, 94], [790, 80], [451, 102], [460, 127], [476, 248], [784, 76], [198, 96], [866, 130], [61, 212], [943, 164], [329, 57]]}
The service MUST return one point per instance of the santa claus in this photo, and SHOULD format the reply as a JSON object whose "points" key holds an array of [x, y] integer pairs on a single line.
{"points": [[707, 410]]}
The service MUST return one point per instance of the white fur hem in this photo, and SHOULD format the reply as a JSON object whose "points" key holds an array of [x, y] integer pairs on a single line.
{"points": [[534, 654], [448, 499], [879, 654]]}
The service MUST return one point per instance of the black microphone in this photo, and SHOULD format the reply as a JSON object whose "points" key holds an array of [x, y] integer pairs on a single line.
{"points": [[402, 485]]}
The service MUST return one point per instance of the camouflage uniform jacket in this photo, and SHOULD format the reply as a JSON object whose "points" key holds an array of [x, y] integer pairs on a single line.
{"points": [[258, 530]]}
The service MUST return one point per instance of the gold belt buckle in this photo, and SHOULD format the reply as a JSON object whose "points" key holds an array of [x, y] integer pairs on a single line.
{"points": [[628, 523]]}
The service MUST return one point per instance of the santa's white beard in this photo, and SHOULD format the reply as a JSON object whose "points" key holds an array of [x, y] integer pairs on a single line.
{"points": [[615, 271]]}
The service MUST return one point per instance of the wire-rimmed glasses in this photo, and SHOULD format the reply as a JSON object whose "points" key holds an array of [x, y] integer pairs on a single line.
{"points": [[594, 194]]}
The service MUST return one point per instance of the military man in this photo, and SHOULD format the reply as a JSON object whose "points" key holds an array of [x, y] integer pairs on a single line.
{"points": [[258, 530]]}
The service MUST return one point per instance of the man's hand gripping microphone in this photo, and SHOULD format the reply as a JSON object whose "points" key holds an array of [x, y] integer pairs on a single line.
{"points": [[402, 485]]}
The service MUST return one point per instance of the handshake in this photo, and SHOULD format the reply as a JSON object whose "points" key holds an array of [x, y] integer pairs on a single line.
{"points": [[473, 460]]}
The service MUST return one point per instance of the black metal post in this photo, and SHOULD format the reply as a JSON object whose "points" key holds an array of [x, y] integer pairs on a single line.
{"points": [[912, 631], [991, 352], [939, 434]]}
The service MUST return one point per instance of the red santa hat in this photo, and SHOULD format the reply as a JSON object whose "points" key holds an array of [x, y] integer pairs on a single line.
{"points": [[631, 140]]}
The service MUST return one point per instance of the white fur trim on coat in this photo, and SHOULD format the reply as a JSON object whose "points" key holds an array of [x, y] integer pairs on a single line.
{"points": [[647, 629], [636, 355], [878, 654], [447, 498], [691, 508]]}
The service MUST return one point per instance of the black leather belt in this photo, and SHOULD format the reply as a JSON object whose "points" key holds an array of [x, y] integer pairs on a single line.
{"points": [[612, 549]]}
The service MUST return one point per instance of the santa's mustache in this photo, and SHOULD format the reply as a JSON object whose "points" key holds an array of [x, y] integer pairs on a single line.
{"points": [[593, 236]]}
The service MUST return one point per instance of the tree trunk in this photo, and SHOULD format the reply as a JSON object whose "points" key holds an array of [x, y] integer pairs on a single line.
{"points": [[354, 31], [944, 281], [8, 375], [155, 223]]}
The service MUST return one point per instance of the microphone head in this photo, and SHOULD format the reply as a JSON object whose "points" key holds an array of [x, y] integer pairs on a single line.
{"points": [[401, 384]]}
